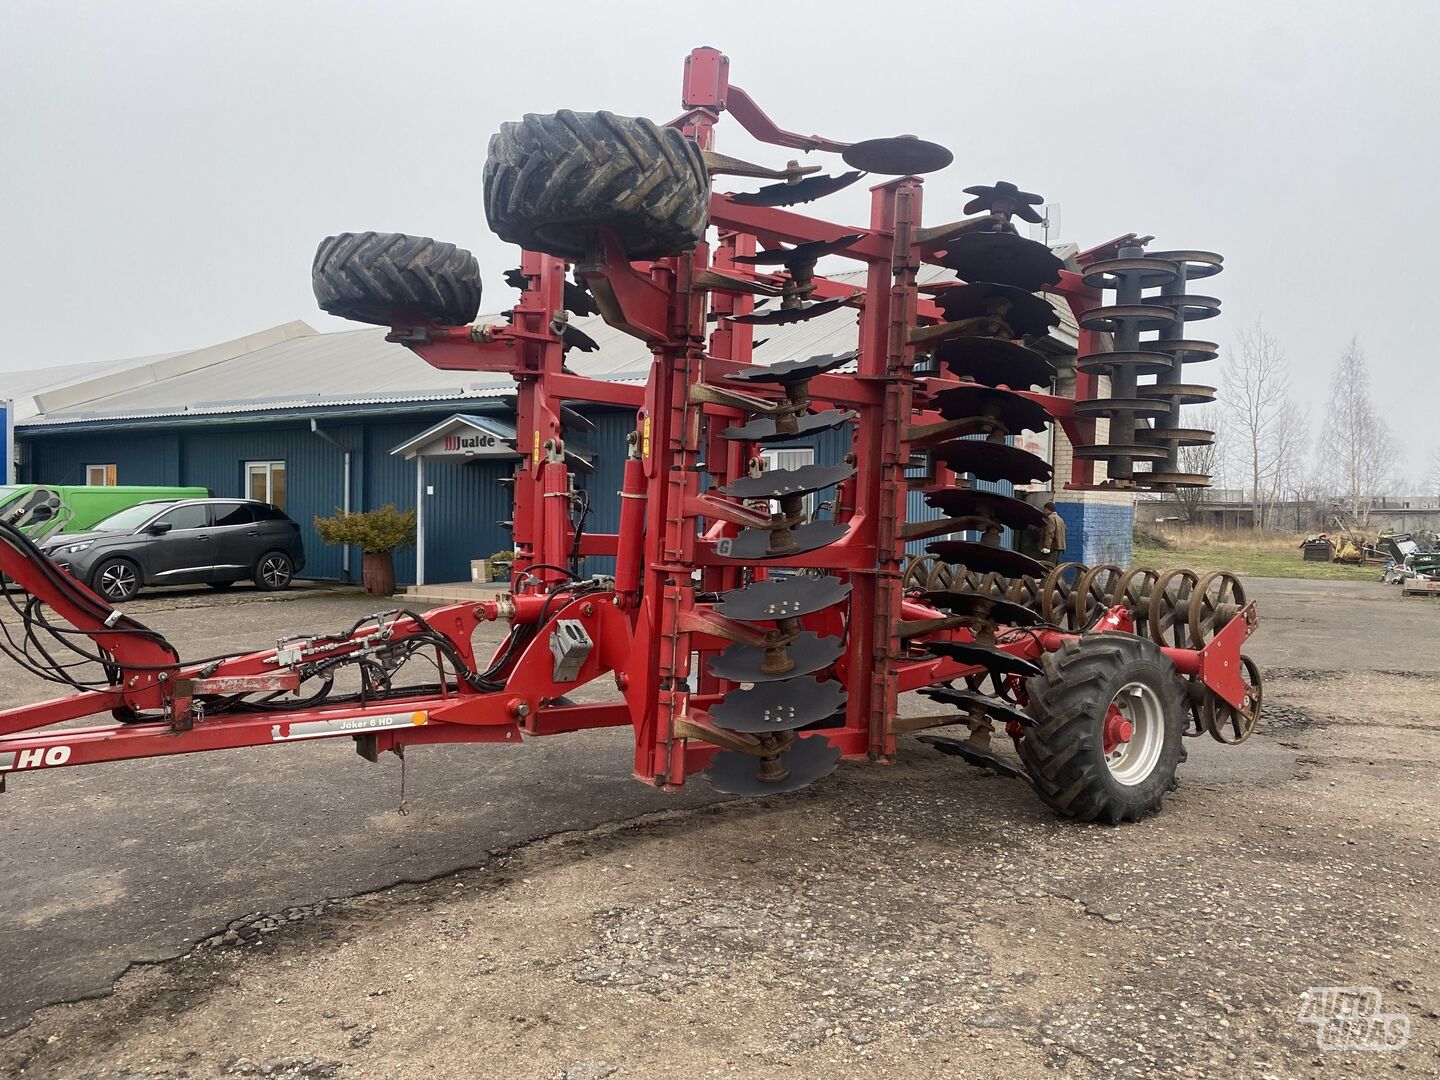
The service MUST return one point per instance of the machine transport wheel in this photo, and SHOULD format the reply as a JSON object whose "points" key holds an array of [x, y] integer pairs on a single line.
{"points": [[383, 278], [552, 180], [1110, 717], [117, 580], [274, 571]]}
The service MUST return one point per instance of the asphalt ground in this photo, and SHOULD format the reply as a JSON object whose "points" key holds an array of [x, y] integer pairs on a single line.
{"points": [[1304, 858]]}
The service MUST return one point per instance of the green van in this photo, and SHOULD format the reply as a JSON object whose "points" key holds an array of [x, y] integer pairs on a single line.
{"points": [[41, 510]]}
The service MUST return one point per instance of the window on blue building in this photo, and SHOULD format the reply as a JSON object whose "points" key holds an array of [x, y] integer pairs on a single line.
{"points": [[265, 481]]}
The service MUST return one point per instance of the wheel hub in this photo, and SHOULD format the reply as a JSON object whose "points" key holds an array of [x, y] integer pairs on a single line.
{"points": [[1118, 730]]}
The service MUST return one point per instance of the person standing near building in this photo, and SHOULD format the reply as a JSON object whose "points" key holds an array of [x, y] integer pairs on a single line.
{"points": [[1052, 539]]}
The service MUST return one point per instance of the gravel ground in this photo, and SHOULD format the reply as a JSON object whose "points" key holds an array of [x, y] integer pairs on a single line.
{"points": [[919, 919]]}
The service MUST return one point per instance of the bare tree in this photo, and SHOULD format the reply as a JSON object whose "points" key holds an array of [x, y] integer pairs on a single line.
{"points": [[1257, 389], [1357, 451], [1288, 441], [1432, 474]]}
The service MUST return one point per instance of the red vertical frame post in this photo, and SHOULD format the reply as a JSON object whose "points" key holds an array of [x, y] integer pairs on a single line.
{"points": [[537, 417], [885, 357]]}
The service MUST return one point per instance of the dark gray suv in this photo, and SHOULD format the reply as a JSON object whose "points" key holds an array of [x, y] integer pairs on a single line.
{"points": [[183, 542]]}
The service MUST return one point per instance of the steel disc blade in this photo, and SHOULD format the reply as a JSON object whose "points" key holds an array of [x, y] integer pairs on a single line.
{"points": [[765, 429], [782, 598], [1013, 412], [760, 543], [1004, 197], [967, 700], [793, 371], [1002, 257], [778, 706], [1025, 313], [984, 559], [781, 316], [802, 191], [800, 253], [900, 155], [994, 361], [777, 483], [978, 605], [987, 656], [992, 461], [809, 653], [975, 755], [575, 338], [804, 761], [1002, 509]]}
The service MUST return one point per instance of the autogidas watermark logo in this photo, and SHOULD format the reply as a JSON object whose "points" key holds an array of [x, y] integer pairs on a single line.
{"points": [[1353, 1018]]}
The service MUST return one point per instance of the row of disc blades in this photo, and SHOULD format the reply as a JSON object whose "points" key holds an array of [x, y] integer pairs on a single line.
{"points": [[988, 312], [781, 670]]}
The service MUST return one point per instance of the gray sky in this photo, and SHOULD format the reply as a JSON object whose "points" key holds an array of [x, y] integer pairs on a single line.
{"points": [[170, 166]]}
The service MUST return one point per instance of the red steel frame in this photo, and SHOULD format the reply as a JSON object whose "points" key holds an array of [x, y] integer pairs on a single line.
{"points": [[647, 629]]}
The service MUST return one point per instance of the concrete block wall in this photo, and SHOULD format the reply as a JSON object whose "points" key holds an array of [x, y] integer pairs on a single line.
{"points": [[1099, 526]]}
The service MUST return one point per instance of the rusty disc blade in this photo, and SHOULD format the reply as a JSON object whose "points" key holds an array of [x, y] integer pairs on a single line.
{"points": [[802, 191], [1004, 197], [793, 371], [782, 598], [803, 762], [809, 652], [782, 316], [800, 253], [979, 605], [758, 543], [966, 700], [777, 483], [994, 361], [975, 755], [984, 559], [992, 461], [996, 661], [765, 429], [778, 706], [1026, 314], [899, 155], [1002, 509], [1002, 257]]}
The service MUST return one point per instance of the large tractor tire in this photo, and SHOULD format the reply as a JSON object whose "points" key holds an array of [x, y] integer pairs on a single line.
{"points": [[385, 278], [551, 181], [1081, 701]]}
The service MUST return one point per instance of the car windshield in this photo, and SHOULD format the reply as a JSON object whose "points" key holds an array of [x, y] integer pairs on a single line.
{"points": [[132, 517]]}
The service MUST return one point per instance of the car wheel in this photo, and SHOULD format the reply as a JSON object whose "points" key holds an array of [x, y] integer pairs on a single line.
{"points": [[274, 571], [117, 580]]}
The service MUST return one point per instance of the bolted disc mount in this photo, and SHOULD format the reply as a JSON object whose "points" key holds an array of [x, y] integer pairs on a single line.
{"points": [[804, 761], [782, 598], [778, 706], [1002, 257], [793, 371]]}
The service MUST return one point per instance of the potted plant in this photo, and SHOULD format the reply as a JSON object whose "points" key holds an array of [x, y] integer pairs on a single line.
{"points": [[500, 565], [377, 533]]}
